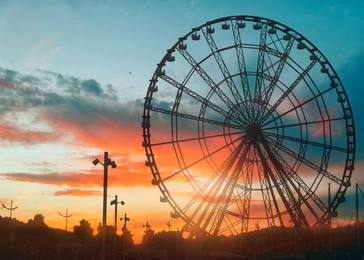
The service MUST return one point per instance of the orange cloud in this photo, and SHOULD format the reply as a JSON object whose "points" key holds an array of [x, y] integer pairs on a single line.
{"points": [[13, 134], [94, 178], [77, 193], [99, 132]]}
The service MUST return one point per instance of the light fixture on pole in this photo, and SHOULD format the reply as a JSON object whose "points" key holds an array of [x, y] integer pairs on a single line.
{"points": [[107, 162], [125, 218], [148, 233], [11, 208], [147, 227], [65, 216], [115, 202]]}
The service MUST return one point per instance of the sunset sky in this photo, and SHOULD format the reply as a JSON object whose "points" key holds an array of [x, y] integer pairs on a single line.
{"points": [[73, 77]]}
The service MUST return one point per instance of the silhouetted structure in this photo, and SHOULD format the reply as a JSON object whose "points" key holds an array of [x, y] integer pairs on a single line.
{"points": [[11, 208], [107, 162], [66, 216], [34, 240]]}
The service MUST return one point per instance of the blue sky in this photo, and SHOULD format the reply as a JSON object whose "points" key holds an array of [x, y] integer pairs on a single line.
{"points": [[106, 40], [100, 56]]}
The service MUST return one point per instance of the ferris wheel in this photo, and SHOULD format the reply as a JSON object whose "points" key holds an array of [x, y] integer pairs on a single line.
{"points": [[245, 121]]}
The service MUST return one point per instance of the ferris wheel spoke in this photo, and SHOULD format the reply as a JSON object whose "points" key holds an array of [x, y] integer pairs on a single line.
{"points": [[181, 87], [226, 194], [307, 142], [222, 66], [275, 41], [310, 194], [241, 61], [243, 75], [288, 174], [195, 118], [229, 225], [268, 192], [202, 158], [213, 194], [246, 194], [182, 164], [232, 224], [228, 201], [260, 64], [289, 90], [237, 198], [304, 123], [194, 139], [323, 165], [266, 177], [214, 87], [266, 96], [313, 98], [317, 168], [201, 194], [286, 187]]}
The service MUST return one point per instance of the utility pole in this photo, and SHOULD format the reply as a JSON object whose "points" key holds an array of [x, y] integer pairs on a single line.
{"points": [[11, 208], [357, 203], [65, 216], [107, 162], [148, 233], [147, 227], [125, 220], [357, 217], [125, 233], [115, 202], [330, 216], [329, 201]]}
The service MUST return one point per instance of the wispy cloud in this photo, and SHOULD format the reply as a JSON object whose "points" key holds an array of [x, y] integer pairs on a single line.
{"points": [[42, 51]]}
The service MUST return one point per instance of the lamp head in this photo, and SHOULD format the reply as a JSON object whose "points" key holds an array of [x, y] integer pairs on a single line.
{"points": [[112, 202], [122, 202], [113, 165], [95, 162]]}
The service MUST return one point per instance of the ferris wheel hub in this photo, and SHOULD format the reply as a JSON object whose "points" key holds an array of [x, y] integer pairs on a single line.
{"points": [[253, 132]]}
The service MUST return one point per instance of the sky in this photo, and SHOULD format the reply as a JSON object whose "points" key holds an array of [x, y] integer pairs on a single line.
{"points": [[73, 77]]}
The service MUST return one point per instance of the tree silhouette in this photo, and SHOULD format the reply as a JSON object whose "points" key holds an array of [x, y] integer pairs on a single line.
{"points": [[83, 232], [110, 230], [38, 220], [84, 229]]}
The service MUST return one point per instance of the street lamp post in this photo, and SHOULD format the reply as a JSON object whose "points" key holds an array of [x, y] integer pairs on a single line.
{"points": [[65, 216], [125, 233], [107, 162], [147, 227], [148, 233], [169, 225], [115, 202], [125, 218], [11, 208]]}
